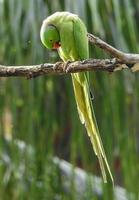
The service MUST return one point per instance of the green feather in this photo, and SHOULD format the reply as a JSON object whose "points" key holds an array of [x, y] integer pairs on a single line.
{"points": [[74, 46]]}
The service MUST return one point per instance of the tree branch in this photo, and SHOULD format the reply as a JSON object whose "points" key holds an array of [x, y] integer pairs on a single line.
{"points": [[120, 61], [129, 59]]}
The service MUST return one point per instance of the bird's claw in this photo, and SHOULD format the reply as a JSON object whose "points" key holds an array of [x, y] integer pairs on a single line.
{"points": [[67, 68], [57, 65]]}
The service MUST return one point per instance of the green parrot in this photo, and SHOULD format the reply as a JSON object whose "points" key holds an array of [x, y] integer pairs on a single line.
{"points": [[67, 33]]}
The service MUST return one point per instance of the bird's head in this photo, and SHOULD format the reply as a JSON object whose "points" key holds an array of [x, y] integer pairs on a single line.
{"points": [[50, 36]]}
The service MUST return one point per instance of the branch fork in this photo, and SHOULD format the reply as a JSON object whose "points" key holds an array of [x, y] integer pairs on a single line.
{"points": [[119, 61]]}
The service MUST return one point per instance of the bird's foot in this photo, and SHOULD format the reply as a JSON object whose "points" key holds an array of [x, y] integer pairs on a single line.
{"points": [[67, 68], [57, 65]]}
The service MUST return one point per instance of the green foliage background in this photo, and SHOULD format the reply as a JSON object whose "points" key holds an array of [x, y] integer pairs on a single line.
{"points": [[38, 118]]}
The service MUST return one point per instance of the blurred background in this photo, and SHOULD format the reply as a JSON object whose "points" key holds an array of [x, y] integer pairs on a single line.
{"points": [[38, 117]]}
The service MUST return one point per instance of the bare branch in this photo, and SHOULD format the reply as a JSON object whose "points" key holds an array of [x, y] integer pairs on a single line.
{"points": [[103, 45], [109, 65], [120, 61], [125, 57]]}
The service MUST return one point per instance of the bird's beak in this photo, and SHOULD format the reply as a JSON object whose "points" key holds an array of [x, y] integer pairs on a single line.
{"points": [[56, 45]]}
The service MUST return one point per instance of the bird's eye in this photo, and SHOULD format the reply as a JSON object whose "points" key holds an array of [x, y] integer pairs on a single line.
{"points": [[51, 40]]}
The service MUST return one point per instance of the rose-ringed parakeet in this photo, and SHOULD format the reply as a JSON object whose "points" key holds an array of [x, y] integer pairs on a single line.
{"points": [[67, 33]]}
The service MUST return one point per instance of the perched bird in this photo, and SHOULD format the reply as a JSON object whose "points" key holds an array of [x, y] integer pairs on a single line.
{"points": [[67, 33]]}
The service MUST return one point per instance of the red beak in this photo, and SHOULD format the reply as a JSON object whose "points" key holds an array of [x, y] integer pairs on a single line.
{"points": [[56, 45]]}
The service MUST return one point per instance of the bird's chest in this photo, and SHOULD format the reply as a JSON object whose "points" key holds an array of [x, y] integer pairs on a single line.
{"points": [[67, 51]]}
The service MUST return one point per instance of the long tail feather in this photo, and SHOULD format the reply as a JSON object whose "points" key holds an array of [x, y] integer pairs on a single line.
{"points": [[87, 116]]}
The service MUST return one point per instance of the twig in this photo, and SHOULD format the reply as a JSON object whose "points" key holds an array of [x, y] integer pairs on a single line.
{"points": [[124, 57], [120, 61], [103, 45]]}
